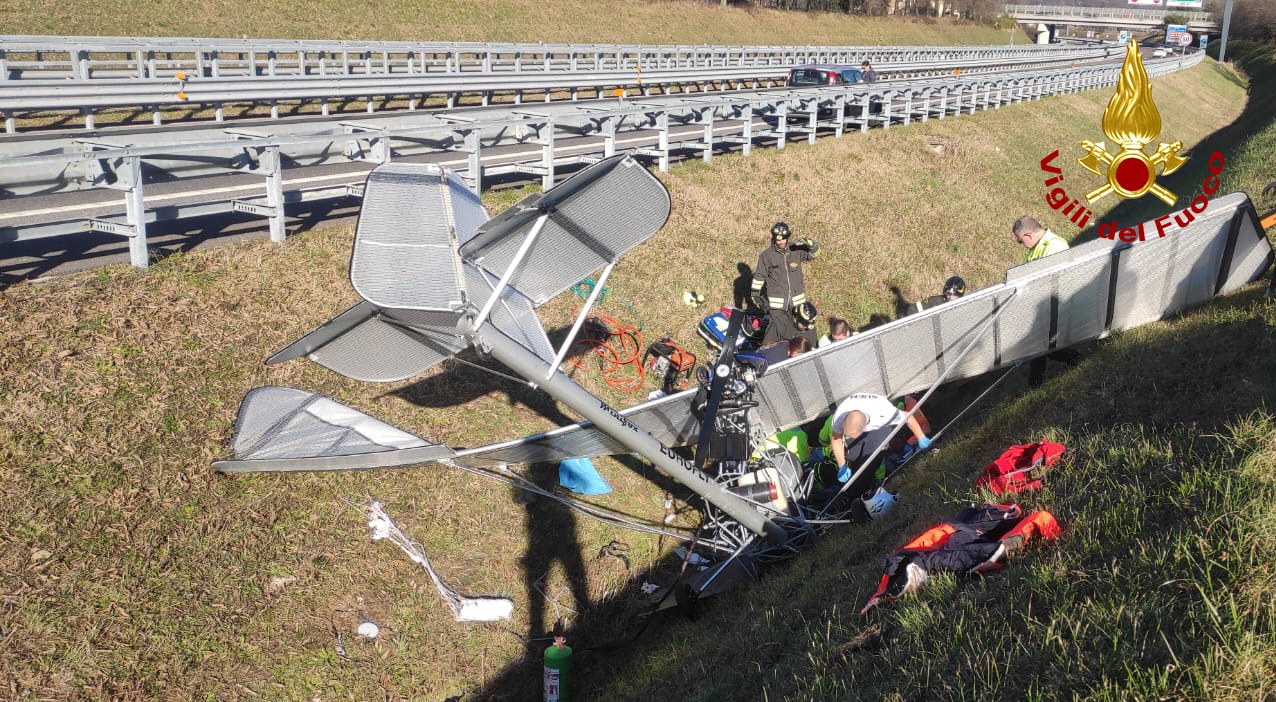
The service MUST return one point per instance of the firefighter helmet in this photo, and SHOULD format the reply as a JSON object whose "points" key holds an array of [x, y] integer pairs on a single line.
{"points": [[804, 314]]}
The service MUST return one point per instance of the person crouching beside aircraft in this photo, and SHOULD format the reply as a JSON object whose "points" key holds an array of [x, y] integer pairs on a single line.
{"points": [[860, 424]]}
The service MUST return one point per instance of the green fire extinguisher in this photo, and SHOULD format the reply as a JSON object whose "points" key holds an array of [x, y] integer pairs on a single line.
{"points": [[558, 666]]}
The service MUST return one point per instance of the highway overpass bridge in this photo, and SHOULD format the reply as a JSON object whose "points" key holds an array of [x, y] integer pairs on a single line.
{"points": [[1049, 18]]}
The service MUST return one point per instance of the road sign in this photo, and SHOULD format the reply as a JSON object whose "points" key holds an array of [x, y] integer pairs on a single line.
{"points": [[1123, 37], [1186, 39], [1196, 4], [1174, 33], [1205, 40]]}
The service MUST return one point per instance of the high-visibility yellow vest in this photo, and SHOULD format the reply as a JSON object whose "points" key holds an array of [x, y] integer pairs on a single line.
{"points": [[792, 440], [1049, 244]]}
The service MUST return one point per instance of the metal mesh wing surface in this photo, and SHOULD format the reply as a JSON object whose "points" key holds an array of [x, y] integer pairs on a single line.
{"points": [[594, 217], [285, 429], [379, 345], [405, 246]]}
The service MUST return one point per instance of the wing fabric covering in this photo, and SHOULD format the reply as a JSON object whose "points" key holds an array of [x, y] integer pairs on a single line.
{"points": [[1082, 294], [405, 244], [594, 218], [288, 429]]}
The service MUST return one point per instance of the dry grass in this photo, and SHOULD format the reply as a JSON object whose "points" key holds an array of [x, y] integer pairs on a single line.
{"points": [[132, 572], [591, 21]]}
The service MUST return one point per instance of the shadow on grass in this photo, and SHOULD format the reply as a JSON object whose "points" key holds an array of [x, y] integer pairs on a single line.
{"points": [[24, 260], [1259, 112], [1177, 385]]}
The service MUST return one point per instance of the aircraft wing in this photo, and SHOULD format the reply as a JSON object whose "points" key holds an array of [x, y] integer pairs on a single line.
{"points": [[1079, 295]]}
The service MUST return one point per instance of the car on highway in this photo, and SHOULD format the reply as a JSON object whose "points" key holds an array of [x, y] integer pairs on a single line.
{"points": [[823, 74], [1160, 52]]}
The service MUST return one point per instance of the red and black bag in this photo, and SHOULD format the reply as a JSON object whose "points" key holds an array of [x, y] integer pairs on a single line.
{"points": [[1019, 468], [670, 362]]}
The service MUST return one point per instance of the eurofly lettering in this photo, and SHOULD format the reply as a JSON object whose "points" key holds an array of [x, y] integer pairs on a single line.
{"points": [[1131, 121]]}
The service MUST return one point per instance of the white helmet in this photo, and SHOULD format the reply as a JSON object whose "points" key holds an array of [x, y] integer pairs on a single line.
{"points": [[879, 502]]}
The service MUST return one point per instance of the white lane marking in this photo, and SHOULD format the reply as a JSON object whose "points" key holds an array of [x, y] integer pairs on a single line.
{"points": [[256, 188]]}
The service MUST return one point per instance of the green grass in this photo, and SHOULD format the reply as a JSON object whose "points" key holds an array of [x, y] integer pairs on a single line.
{"points": [[131, 571], [582, 21]]}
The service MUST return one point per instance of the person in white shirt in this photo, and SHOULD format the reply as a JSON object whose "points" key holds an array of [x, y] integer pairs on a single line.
{"points": [[860, 424]]}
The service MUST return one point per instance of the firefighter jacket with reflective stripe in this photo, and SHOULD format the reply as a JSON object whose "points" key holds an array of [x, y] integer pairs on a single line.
{"points": [[781, 273]]}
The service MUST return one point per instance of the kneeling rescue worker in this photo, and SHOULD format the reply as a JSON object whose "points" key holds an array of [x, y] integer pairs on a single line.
{"points": [[860, 424], [779, 270]]}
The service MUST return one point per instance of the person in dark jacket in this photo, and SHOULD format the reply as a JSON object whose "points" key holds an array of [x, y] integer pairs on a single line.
{"points": [[954, 288], [779, 273], [867, 74]]}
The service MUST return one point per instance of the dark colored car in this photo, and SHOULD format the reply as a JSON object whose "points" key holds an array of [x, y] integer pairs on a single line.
{"points": [[823, 74]]}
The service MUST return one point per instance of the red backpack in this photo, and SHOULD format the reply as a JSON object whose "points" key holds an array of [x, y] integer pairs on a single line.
{"points": [[1019, 468]]}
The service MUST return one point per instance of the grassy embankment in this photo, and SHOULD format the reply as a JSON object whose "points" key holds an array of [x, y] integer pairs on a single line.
{"points": [[130, 571], [590, 21]]}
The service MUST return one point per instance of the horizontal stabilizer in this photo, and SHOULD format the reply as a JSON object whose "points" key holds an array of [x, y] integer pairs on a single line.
{"points": [[284, 429], [378, 345]]}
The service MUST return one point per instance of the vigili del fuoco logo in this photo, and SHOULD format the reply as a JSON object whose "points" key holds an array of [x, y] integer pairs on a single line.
{"points": [[1131, 121]]}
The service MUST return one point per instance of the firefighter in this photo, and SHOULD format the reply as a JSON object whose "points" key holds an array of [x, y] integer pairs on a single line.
{"points": [[779, 272]]}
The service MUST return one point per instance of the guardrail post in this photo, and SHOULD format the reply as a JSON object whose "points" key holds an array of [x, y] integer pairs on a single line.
{"points": [[609, 136], [812, 120], [10, 123], [474, 149], [908, 107], [274, 192], [781, 124], [662, 123], [135, 212], [927, 93], [545, 134], [839, 112], [943, 102], [747, 146], [887, 98], [707, 120]]}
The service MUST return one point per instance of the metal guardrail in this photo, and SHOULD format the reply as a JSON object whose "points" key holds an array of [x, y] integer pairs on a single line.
{"points": [[34, 57], [1102, 13], [52, 179], [612, 66], [713, 123], [90, 96]]}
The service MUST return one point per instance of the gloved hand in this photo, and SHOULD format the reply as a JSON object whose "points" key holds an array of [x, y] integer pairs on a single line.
{"points": [[843, 473], [758, 300], [923, 443], [803, 243]]}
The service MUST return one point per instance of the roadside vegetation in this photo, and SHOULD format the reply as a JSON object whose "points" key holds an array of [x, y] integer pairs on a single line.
{"points": [[582, 21], [131, 571]]}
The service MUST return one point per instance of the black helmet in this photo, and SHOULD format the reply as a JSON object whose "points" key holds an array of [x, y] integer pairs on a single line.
{"points": [[804, 313], [955, 286], [779, 230]]}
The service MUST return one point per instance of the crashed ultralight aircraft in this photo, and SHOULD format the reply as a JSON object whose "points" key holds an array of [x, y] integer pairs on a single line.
{"points": [[437, 276]]}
